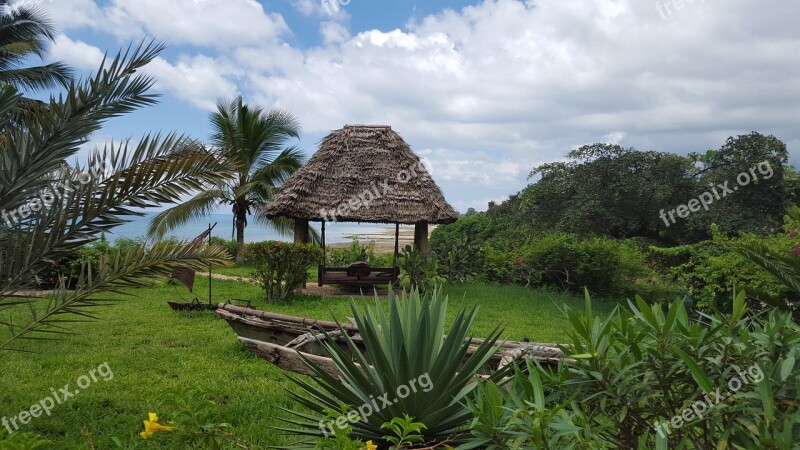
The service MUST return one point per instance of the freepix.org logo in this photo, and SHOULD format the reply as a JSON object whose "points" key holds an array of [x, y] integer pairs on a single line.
{"points": [[57, 397], [45, 198]]}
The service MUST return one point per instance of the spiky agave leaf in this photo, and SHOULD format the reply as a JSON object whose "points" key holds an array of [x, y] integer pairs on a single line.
{"points": [[402, 347]]}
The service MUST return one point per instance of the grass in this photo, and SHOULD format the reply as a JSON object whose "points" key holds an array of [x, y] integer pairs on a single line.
{"points": [[236, 271], [248, 271], [151, 349]]}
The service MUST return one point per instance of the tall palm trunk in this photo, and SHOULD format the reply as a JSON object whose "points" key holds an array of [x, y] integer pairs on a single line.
{"points": [[240, 213]]}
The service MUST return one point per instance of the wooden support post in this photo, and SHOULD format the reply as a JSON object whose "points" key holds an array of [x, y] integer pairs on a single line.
{"points": [[301, 235], [301, 232], [421, 238]]}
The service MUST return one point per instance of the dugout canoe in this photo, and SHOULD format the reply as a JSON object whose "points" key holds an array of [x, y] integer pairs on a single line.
{"points": [[280, 339]]}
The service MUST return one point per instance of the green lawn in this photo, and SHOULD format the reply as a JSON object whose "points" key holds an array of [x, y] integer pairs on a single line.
{"points": [[248, 271], [236, 271], [151, 349]]}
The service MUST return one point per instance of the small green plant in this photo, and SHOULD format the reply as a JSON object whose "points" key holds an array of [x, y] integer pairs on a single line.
{"points": [[192, 424], [404, 431], [281, 267], [418, 271], [22, 441], [339, 439]]}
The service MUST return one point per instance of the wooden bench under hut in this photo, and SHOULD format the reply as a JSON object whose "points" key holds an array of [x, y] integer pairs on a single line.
{"points": [[362, 173]]}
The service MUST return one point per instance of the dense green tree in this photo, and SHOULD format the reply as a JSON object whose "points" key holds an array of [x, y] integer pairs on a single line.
{"points": [[605, 189], [747, 174], [251, 143]]}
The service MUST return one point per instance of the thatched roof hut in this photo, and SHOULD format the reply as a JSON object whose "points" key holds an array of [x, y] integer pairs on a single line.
{"points": [[362, 173]]}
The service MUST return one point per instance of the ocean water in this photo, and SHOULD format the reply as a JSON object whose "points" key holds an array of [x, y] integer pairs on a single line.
{"points": [[334, 232]]}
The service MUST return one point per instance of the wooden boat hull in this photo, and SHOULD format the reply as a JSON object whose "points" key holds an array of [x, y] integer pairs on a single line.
{"points": [[280, 339], [191, 306]]}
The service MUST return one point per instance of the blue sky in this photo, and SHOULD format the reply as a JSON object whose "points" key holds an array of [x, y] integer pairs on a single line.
{"points": [[484, 90]]}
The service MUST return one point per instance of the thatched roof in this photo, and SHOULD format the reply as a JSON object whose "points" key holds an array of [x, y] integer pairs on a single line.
{"points": [[362, 174]]}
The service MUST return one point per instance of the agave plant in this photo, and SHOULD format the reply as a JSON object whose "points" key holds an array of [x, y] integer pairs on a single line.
{"points": [[404, 347]]}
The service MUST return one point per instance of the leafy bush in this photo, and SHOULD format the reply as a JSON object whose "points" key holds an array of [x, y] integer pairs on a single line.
{"points": [[85, 260], [781, 261], [416, 271], [228, 244], [457, 247], [605, 266], [281, 267], [712, 271], [652, 377]]}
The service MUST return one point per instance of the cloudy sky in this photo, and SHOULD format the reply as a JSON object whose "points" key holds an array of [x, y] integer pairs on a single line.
{"points": [[484, 89]]}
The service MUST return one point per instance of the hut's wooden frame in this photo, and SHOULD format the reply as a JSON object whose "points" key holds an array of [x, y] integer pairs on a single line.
{"points": [[368, 280], [356, 160]]}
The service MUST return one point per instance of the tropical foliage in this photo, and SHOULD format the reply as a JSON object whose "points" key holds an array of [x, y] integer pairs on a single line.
{"points": [[608, 190], [25, 33], [652, 377], [408, 344], [281, 268], [51, 209], [251, 144]]}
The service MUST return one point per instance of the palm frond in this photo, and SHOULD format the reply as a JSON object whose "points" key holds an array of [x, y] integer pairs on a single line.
{"points": [[130, 269], [196, 207], [44, 144]]}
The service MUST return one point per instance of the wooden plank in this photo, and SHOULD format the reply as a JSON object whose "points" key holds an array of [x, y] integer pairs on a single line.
{"points": [[289, 359], [269, 316]]}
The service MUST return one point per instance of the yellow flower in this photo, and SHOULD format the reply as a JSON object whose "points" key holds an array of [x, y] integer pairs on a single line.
{"points": [[371, 446], [152, 425]]}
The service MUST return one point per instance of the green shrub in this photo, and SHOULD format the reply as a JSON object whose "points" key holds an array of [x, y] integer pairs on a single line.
{"points": [[281, 267], [228, 244], [711, 271], [629, 374], [605, 266], [781, 260], [418, 272], [458, 247]]}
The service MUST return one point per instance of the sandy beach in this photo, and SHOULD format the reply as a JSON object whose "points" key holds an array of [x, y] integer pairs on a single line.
{"points": [[384, 240]]}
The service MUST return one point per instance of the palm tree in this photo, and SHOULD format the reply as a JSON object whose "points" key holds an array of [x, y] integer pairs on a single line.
{"points": [[25, 32], [251, 143], [48, 212]]}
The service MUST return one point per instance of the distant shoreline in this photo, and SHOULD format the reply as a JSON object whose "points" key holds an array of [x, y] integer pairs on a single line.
{"points": [[384, 239]]}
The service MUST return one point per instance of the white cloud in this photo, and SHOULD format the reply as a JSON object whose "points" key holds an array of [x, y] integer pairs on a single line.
{"points": [[211, 23], [503, 85], [77, 54], [332, 9], [519, 78], [615, 137], [333, 32], [199, 80]]}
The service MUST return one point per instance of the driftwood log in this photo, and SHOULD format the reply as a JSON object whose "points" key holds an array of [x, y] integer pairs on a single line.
{"points": [[281, 339]]}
